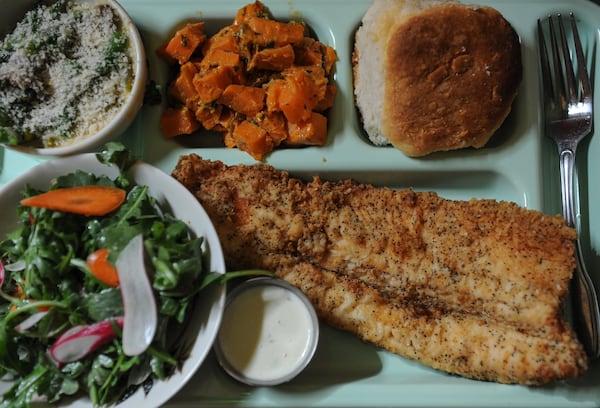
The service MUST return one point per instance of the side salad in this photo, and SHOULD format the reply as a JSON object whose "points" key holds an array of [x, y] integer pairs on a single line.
{"points": [[62, 317]]}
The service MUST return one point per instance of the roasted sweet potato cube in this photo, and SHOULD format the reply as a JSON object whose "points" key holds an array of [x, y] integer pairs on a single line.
{"points": [[185, 42], [328, 99], [275, 124], [274, 89], [226, 40], [313, 52], [226, 119], [293, 102], [252, 139], [309, 52], [308, 132], [211, 83], [273, 59], [330, 58], [275, 33], [208, 115], [311, 80], [182, 89], [178, 121], [256, 9], [216, 57], [223, 58], [298, 93], [248, 100]]}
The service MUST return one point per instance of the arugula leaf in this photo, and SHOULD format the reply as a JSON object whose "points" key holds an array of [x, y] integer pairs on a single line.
{"points": [[81, 178], [51, 249], [104, 304], [116, 153]]}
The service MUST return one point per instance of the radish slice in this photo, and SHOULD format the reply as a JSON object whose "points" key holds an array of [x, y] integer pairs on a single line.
{"points": [[139, 323], [15, 266], [79, 341], [30, 321]]}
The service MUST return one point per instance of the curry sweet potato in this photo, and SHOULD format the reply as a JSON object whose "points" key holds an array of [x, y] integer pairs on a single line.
{"points": [[275, 124], [267, 32], [252, 139], [178, 121], [328, 99], [311, 81], [273, 59], [185, 42], [298, 93], [313, 52], [211, 83], [289, 98], [256, 9], [223, 58], [226, 39], [259, 81], [248, 100], [208, 115], [312, 131], [182, 89]]}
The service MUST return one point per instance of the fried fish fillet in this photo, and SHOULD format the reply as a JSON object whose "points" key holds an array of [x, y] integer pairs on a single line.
{"points": [[472, 288]]}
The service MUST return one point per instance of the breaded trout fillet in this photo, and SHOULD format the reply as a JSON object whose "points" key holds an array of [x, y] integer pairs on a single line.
{"points": [[472, 288]]}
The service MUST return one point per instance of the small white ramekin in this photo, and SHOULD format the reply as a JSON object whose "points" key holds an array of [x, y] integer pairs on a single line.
{"points": [[223, 344]]}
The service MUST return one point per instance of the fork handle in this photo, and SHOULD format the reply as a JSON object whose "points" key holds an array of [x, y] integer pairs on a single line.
{"points": [[584, 300], [567, 177]]}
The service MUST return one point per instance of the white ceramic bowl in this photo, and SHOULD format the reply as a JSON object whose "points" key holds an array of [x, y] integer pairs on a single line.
{"points": [[13, 11], [172, 195]]}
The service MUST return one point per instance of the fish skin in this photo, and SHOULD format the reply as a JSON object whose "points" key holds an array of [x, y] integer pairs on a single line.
{"points": [[473, 288]]}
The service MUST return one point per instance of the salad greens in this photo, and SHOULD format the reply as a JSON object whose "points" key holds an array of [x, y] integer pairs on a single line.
{"points": [[46, 288]]}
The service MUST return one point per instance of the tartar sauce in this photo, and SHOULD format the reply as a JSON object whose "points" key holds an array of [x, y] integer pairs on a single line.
{"points": [[267, 334]]}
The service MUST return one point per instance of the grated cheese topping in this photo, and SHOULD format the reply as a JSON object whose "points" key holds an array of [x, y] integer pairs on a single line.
{"points": [[65, 72]]}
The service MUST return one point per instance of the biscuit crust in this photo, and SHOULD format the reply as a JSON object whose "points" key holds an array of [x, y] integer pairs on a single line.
{"points": [[451, 74]]}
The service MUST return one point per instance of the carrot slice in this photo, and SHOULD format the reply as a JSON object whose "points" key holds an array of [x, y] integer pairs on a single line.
{"points": [[85, 200], [102, 270]]}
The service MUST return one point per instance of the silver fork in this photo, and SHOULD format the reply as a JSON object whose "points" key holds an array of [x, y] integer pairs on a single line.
{"points": [[568, 119]]}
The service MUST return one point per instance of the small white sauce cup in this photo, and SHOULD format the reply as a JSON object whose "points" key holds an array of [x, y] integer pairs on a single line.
{"points": [[269, 332]]}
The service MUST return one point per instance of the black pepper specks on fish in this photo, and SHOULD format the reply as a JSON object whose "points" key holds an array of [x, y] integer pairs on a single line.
{"points": [[455, 285]]}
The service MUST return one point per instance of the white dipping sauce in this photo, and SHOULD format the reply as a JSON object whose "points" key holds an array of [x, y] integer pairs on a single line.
{"points": [[266, 333]]}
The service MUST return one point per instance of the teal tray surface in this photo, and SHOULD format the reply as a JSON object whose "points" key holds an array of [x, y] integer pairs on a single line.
{"points": [[519, 164]]}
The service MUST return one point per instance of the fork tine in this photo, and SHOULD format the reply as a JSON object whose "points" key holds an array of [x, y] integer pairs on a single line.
{"points": [[559, 83], [582, 74], [545, 62], [571, 85]]}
